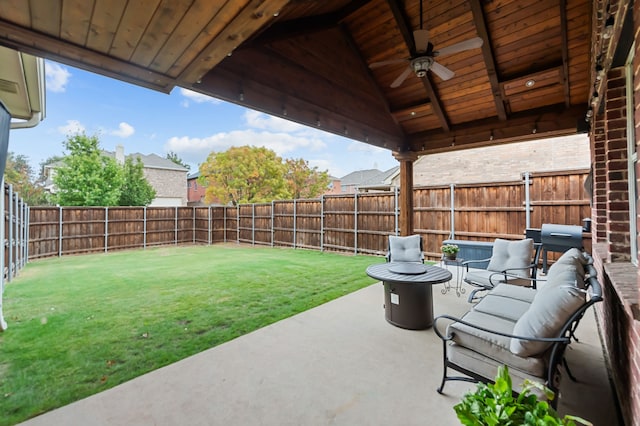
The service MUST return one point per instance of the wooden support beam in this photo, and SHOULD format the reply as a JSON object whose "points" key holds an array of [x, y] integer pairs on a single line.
{"points": [[487, 53], [435, 102], [565, 52], [405, 218]]}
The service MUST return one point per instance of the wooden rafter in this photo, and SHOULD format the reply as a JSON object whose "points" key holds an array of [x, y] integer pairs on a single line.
{"points": [[565, 52], [407, 35], [489, 60], [435, 103]]}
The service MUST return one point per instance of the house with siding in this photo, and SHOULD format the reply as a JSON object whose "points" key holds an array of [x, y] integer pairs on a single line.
{"points": [[167, 178]]}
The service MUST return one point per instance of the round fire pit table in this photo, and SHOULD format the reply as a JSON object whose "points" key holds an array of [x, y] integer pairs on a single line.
{"points": [[408, 298]]}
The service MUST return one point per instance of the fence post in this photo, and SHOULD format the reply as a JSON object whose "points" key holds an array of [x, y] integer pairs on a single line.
{"points": [[144, 228], [106, 229], [355, 223], [322, 223], [224, 228], [527, 200], [273, 232], [3, 323], [27, 234], [59, 231], [452, 233], [193, 226], [396, 210], [11, 234], [175, 230], [209, 227], [295, 220]]}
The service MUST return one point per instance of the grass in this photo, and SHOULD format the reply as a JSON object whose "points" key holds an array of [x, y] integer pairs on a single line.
{"points": [[80, 325]]}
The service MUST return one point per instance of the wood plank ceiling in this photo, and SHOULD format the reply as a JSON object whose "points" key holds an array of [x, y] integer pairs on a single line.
{"points": [[310, 60]]}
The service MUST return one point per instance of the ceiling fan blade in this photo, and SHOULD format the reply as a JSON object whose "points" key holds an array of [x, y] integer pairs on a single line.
{"points": [[472, 43], [441, 71], [421, 40], [389, 62], [402, 77]]}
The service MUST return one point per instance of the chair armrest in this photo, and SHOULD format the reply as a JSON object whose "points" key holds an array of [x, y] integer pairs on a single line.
{"points": [[467, 262], [486, 330]]}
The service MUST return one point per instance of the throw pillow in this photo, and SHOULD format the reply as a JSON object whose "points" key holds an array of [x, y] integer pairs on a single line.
{"points": [[546, 316]]}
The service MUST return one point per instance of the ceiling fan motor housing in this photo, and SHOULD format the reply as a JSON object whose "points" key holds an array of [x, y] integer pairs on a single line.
{"points": [[421, 65]]}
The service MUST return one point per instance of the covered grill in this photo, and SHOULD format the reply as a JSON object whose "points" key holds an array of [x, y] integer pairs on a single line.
{"points": [[559, 238]]}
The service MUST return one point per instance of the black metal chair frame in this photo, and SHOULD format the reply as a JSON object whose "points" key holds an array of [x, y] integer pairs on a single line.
{"points": [[504, 275], [556, 351]]}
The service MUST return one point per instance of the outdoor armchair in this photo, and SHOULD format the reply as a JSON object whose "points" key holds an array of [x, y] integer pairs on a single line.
{"points": [[528, 330], [405, 249], [512, 262]]}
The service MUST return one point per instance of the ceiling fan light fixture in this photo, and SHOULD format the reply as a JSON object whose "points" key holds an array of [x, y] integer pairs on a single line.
{"points": [[421, 65]]}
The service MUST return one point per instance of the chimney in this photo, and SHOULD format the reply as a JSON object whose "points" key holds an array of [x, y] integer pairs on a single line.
{"points": [[120, 154]]}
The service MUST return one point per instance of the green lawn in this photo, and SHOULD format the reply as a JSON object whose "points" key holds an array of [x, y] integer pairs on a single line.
{"points": [[80, 325]]}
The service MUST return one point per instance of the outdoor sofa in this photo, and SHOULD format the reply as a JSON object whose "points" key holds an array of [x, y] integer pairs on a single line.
{"points": [[524, 328]]}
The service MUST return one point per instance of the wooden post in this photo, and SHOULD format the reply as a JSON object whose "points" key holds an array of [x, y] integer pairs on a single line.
{"points": [[406, 160]]}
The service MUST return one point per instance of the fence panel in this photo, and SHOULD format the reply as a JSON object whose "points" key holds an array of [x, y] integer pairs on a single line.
{"points": [[309, 224], [125, 228], [161, 226], [354, 223], [283, 223], [84, 230], [376, 221]]}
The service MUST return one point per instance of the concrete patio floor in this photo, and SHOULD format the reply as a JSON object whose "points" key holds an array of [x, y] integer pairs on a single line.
{"points": [[340, 363]]}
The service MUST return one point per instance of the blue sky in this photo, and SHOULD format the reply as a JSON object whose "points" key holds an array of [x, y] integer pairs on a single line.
{"points": [[187, 123]]}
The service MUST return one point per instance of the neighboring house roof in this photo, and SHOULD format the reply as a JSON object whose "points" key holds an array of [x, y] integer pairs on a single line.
{"points": [[358, 177], [151, 161], [194, 175], [370, 179]]}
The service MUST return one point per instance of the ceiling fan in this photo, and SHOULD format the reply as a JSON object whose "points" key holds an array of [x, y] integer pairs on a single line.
{"points": [[422, 58]]}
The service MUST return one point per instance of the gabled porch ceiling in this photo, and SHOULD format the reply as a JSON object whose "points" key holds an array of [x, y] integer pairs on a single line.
{"points": [[310, 60]]}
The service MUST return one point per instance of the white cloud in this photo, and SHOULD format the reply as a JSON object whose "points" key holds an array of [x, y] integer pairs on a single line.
{"points": [[56, 77], [124, 130], [196, 97], [72, 127], [356, 146], [196, 150], [259, 120]]}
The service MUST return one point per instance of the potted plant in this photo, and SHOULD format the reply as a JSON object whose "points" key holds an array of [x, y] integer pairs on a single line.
{"points": [[494, 404], [450, 251]]}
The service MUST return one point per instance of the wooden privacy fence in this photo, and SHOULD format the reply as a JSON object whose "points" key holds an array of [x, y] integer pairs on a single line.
{"points": [[356, 223], [14, 235]]}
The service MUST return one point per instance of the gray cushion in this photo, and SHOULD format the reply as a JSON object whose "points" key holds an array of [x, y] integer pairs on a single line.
{"points": [[525, 294], [492, 346], [405, 249], [503, 307], [548, 312], [516, 255]]}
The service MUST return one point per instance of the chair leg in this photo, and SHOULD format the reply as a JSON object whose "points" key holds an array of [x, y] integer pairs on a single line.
{"points": [[472, 295], [444, 367]]}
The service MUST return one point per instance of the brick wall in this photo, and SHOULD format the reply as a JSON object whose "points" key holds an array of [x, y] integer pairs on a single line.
{"points": [[617, 175], [620, 312], [168, 183], [506, 162]]}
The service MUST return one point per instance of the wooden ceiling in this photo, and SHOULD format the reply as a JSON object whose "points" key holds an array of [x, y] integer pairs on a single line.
{"points": [[309, 60]]}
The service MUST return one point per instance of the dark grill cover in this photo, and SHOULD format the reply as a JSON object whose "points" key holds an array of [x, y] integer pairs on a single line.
{"points": [[561, 237]]}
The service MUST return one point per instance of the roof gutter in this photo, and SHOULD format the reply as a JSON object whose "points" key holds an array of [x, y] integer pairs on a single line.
{"points": [[35, 119]]}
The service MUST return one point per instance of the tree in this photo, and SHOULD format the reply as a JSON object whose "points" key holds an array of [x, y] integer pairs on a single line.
{"points": [[244, 175], [20, 175], [303, 181], [174, 157], [136, 190], [87, 177]]}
